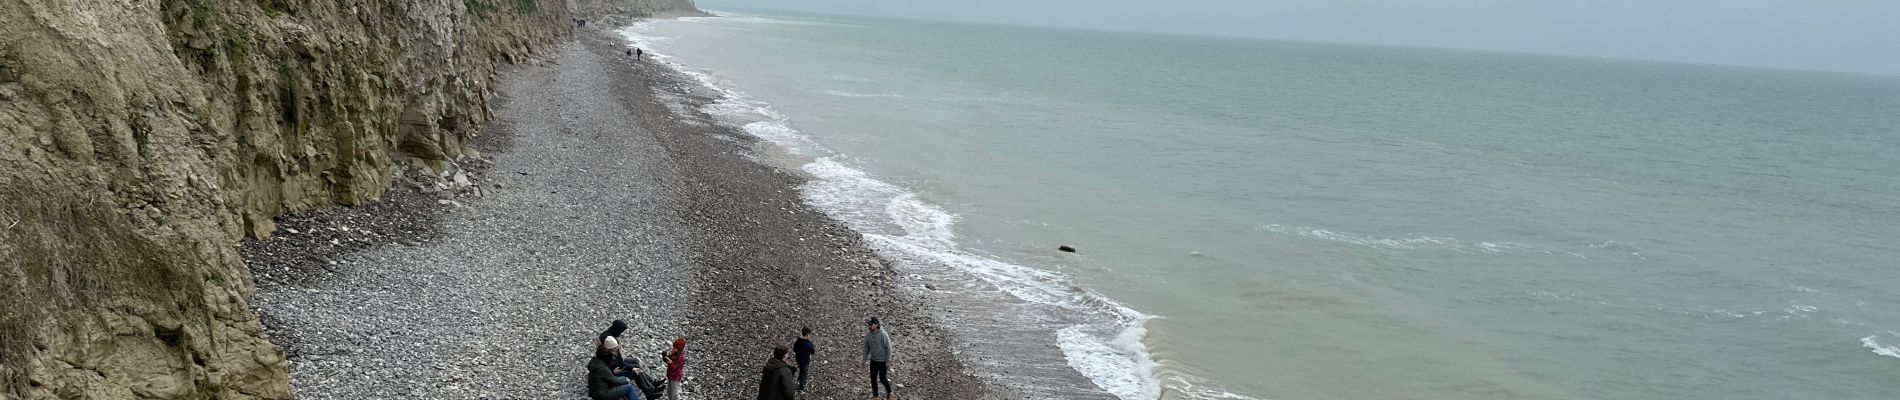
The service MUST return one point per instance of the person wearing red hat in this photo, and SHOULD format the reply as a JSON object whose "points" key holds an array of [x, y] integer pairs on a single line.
{"points": [[675, 368]]}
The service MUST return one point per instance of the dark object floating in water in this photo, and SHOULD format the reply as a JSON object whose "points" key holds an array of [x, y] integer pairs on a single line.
{"points": [[1066, 248]]}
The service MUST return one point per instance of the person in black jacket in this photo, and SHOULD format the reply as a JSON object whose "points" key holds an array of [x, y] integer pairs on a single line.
{"points": [[775, 380], [629, 367], [804, 348], [619, 327]]}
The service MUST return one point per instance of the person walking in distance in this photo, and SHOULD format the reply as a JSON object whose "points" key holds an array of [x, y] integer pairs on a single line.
{"points": [[804, 348], [775, 380], [675, 368], [877, 351]]}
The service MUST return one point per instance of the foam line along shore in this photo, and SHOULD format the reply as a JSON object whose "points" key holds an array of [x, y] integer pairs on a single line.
{"points": [[1096, 337]]}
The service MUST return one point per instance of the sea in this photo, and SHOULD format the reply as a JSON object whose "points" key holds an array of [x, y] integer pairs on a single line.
{"points": [[1264, 219]]}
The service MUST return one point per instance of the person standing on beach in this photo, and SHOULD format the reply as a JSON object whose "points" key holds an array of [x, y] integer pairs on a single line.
{"points": [[877, 351], [775, 381], [675, 368], [805, 348]]}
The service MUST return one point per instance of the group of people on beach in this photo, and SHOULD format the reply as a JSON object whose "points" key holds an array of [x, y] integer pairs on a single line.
{"points": [[614, 375]]}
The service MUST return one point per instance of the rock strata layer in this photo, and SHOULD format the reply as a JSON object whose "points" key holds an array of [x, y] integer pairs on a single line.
{"points": [[613, 12], [141, 140]]}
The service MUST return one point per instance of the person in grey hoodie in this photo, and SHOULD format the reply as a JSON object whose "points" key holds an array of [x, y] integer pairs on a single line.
{"points": [[877, 351]]}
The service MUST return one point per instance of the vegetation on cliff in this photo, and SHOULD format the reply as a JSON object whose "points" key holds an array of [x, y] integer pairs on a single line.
{"points": [[139, 141]]}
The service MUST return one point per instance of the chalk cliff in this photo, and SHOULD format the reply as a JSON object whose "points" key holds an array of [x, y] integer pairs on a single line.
{"points": [[140, 140], [615, 11]]}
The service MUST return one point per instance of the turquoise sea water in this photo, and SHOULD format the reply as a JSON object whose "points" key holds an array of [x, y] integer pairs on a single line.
{"points": [[1288, 220]]}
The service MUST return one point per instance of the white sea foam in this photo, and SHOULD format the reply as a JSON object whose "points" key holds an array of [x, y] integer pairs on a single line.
{"points": [[898, 224], [1454, 244], [776, 132], [1108, 351], [1870, 342], [841, 93], [755, 19], [1367, 240], [851, 78], [1193, 389], [899, 96], [1106, 363]]}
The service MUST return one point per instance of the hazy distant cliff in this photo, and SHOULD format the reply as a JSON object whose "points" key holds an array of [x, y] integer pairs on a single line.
{"points": [[613, 10], [140, 140]]}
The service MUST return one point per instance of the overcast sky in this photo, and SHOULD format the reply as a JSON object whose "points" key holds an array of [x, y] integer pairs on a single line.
{"points": [[1839, 35]]}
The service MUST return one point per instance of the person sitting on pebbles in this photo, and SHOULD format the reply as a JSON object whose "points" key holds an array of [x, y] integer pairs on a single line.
{"points": [[629, 367], [603, 382]]}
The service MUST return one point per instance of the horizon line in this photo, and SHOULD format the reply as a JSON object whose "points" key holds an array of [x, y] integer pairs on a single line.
{"points": [[1866, 73]]}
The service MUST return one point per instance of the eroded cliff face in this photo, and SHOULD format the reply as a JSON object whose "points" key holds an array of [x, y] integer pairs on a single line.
{"points": [[140, 140], [618, 11]]}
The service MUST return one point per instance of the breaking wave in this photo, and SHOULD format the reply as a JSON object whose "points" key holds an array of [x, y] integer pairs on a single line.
{"points": [[1871, 342], [1107, 348]]}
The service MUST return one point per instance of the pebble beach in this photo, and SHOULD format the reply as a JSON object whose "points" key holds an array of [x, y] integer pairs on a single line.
{"points": [[602, 194]]}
